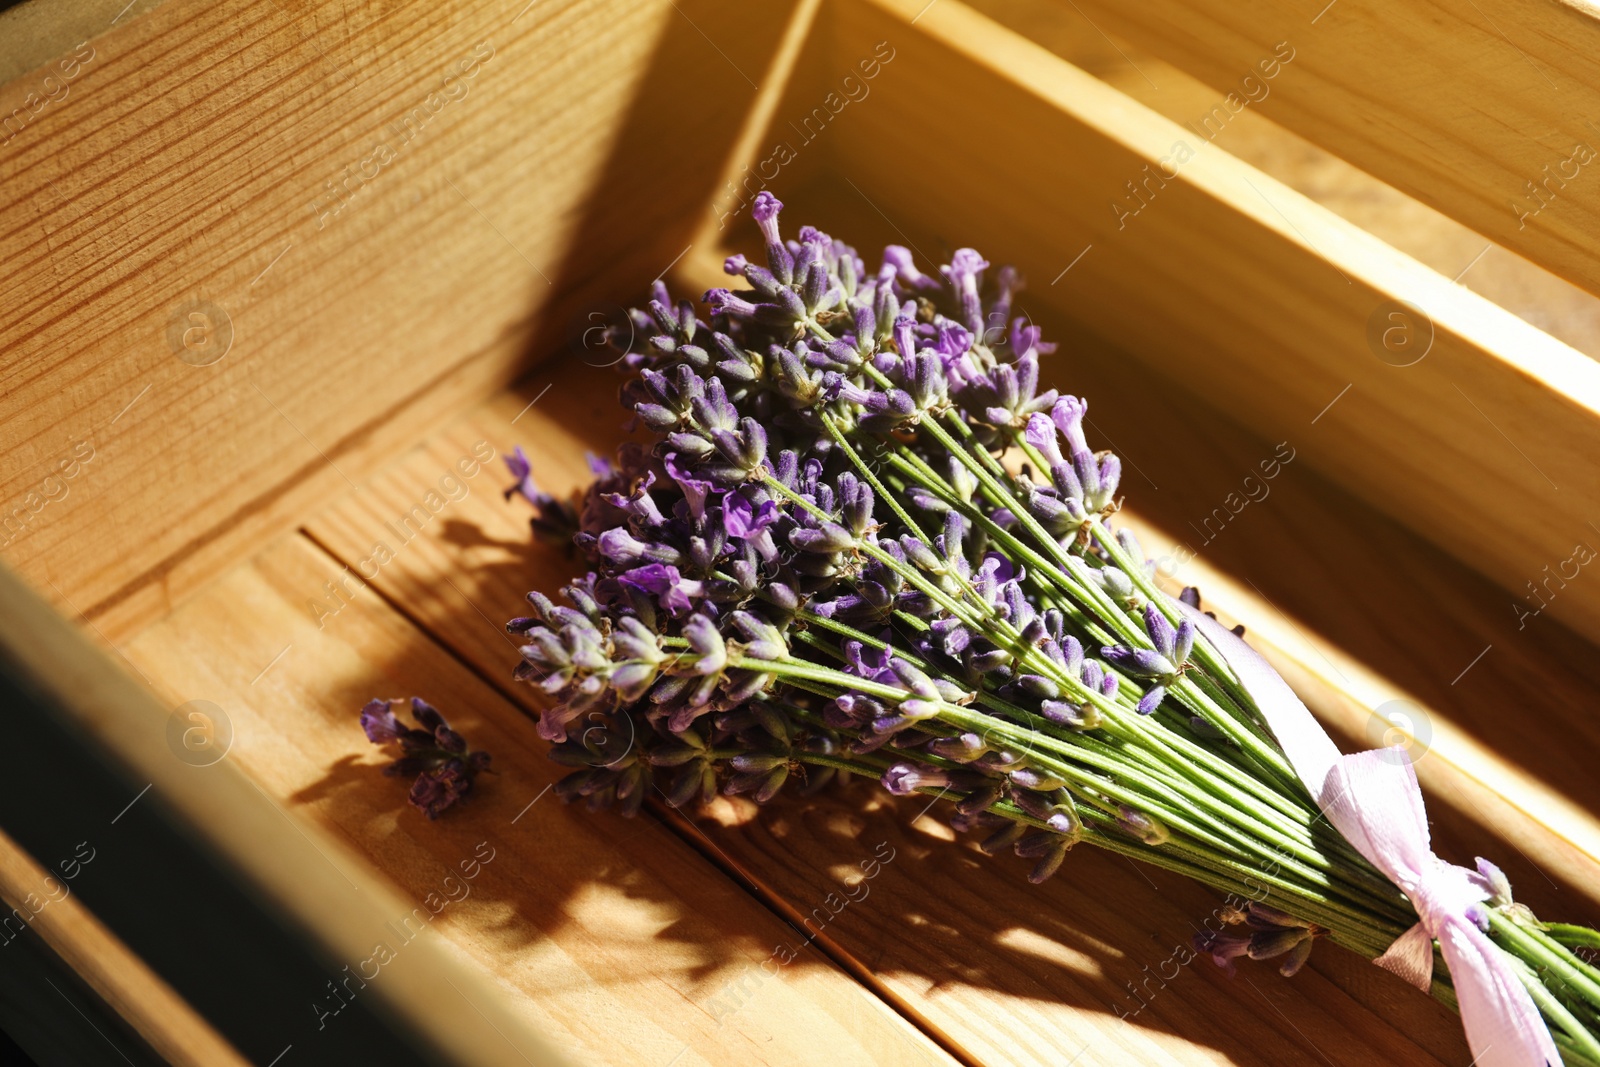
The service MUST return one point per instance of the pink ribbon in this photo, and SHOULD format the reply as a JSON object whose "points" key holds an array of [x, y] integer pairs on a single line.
{"points": [[1373, 799]]}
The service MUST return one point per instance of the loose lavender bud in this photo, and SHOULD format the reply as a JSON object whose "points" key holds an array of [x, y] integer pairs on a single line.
{"points": [[1145, 827], [903, 779], [379, 721], [435, 754]]}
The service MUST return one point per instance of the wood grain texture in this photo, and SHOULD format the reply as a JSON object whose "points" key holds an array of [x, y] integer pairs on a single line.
{"points": [[1235, 286], [1010, 973], [613, 940], [1553, 304], [390, 204], [172, 1028], [641, 942], [1470, 106]]}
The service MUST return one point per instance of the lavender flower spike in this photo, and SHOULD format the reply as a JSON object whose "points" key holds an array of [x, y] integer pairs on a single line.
{"points": [[432, 751], [904, 779], [765, 210], [965, 275]]}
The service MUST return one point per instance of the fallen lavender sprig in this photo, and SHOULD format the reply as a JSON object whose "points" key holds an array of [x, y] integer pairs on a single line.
{"points": [[436, 754], [866, 542]]}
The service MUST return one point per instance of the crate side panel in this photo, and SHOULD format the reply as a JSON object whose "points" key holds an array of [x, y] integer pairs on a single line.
{"points": [[253, 247], [1483, 109]]}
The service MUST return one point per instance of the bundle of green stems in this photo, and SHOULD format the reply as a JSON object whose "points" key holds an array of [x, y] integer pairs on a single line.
{"points": [[862, 541]]}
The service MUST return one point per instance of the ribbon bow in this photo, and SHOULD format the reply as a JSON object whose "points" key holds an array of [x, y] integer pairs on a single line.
{"points": [[1373, 799]]}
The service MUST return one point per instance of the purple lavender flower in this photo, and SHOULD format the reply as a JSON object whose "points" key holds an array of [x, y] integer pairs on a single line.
{"points": [[695, 490], [744, 517], [662, 581], [553, 520], [863, 541], [1493, 881], [521, 469], [753, 616], [904, 779], [765, 212], [1260, 932], [432, 751], [1162, 663], [965, 276], [899, 268], [380, 723]]}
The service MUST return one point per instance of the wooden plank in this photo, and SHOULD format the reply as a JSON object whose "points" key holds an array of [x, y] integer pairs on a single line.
{"points": [[312, 878], [1007, 972], [131, 989], [614, 940], [1553, 304], [1236, 286], [388, 206], [1472, 107]]}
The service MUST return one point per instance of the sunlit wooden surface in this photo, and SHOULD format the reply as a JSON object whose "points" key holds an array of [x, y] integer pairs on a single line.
{"points": [[230, 576]]}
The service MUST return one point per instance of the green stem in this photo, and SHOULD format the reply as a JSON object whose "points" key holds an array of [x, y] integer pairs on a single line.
{"points": [[1573, 936], [1203, 866], [1582, 1041], [1546, 957], [1255, 748], [1129, 784], [1195, 697]]}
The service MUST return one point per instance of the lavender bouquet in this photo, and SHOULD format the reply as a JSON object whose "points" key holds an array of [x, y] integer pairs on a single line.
{"points": [[865, 542]]}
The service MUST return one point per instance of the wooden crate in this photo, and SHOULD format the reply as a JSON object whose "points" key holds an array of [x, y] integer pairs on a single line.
{"points": [[278, 276]]}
